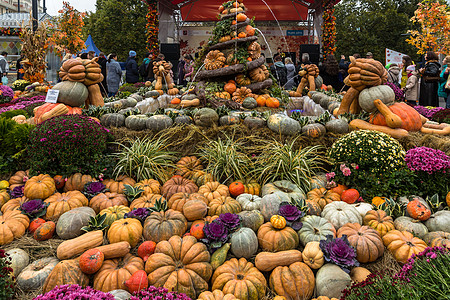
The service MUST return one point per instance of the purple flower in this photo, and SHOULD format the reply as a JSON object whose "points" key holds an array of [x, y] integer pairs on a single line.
{"points": [[231, 221], [424, 159], [290, 212], [346, 171], [17, 192], [339, 252], [426, 112], [139, 213], [75, 291], [216, 233], [153, 293], [330, 176]]}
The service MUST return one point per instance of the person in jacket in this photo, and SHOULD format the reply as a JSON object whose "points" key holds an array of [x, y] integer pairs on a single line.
{"points": [[188, 67], [113, 74], [279, 71], [444, 77], [429, 83], [329, 71], [393, 75], [406, 62], [4, 66], [180, 79], [411, 88], [102, 62], [19, 66], [290, 68], [131, 68]]}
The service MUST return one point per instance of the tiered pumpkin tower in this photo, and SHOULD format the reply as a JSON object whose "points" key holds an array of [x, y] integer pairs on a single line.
{"points": [[233, 56]]}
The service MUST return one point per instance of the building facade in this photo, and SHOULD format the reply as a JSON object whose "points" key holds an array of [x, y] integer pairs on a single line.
{"points": [[11, 6]]}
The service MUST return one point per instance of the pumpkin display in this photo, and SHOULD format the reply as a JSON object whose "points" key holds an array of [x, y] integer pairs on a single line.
{"points": [[214, 189], [274, 240], [249, 201], [223, 205], [18, 179], [39, 187], [214, 60], [14, 204], [45, 231], [187, 166], [65, 272], [259, 74], [365, 240], [418, 211], [322, 196], [340, 213], [312, 255], [286, 187], [216, 295], [180, 264], [178, 184], [244, 243], [70, 223], [114, 213], [177, 201], [106, 200], [267, 261], [160, 226], [78, 245], [410, 118], [315, 229], [293, 282], [331, 280], [61, 203], [13, 225], [19, 259], [114, 272], [240, 278], [278, 222], [147, 200], [439, 221], [252, 219], [402, 244], [379, 220], [437, 239], [76, 182], [91, 261], [125, 230], [411, 225], [195, 210], [34, 275], [118, 185], [150, 186]]}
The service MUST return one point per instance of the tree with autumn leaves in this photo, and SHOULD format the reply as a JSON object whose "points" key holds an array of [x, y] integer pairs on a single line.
{"points": [[433, 18], [67, 30]]}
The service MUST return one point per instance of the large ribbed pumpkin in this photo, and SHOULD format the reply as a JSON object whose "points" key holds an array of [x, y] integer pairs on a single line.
{"points": [[125, 230], [12, 226], [367, 97], [274, 240], [77, 181], [147, 200], [106, 200], [118, 185], [34, 275], [177, 201], [365, 240], [379, 220], [160, 226], [223, 205], [403, 244], [39, 187], [71, 93], [240, 278], [66, 272], [61, 203], [178, 184], [180, 264], [244, 243], [411, 119], [114, 213], [295, 282]]}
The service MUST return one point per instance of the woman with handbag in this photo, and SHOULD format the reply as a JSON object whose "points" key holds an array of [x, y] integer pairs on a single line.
{"points": [[430, 80]]}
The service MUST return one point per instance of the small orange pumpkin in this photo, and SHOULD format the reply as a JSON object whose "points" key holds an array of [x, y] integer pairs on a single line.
{"points": [[230, 87], [418, 211], [272, 102], [45, 231], [249, 30], [175, 101], [241, 17], [236, 188], [197, 230], [146, 249], [242, 35], [278, 222], [59, 181], [35, 224], [350, 196], [91, 261], [261, 101], [137, 281]]}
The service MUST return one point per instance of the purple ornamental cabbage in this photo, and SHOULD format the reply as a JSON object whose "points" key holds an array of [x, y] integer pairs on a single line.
{"points": [[338, 251], [292, 215], [34, 208], [74, 291], [216, 233], [139, 213], [17, 192], [94, 188], [231, 221]]}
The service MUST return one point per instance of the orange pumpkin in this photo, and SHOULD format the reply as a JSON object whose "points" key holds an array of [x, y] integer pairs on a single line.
{"points": [[35, 225], [411, 120], [339, 189], [45, 231], [293, 282], [146, 249], [236, 188], [350, 196], [178, 184], [223, 205], [150, 186], [242, 35], [188, 165], [197, 229], [65, 272], [148, 201], [91, 261], [272, 102], [13, 225], [18, 179], [118, 185], [195, 210], [175, 101], [177, 201], [106, 200], [39, 187], [322, 196], [261, 101], [125, 230], [160, 226], [137, 281], [274, 240], [249, 30], [380, 221], [212, 190], [418, 211], [230, 87], [61, 203], [77, 182], [403, 244], [241, 17]]}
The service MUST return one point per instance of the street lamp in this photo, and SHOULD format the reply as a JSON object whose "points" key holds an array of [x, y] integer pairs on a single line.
{"points": [[34, 14]]}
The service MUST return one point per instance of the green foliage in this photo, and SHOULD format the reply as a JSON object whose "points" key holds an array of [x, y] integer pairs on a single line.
{"points": [[442, 116], [373, 25], [221, 29], [69, 144], [12, 113], [96, 223], [160, 205], [132, 192], [119, 26]]}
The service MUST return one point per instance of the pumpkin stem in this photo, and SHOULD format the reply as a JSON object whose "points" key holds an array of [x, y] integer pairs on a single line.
{"points": [[240, 276]]}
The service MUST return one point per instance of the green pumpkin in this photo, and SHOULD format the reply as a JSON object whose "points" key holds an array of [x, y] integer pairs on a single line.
{"points": [[229, 120], [254, 122], [314, 130], [151, 94], [206, 117], [369, 95], [282, 124], [189, 97], [70, 223], [337, 126], [113, 120], [71, 93], [183, 120], [249, 103], [159, 122], [136, 122]]}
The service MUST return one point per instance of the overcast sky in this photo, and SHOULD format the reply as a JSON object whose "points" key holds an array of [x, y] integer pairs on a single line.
{"points": [[82, 5]]}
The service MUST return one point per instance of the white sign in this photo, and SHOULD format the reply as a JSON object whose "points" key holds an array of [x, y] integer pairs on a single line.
{"points": [[52, 96], [394, 57]]}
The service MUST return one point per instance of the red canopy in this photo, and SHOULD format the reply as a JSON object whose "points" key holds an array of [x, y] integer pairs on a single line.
{"points": [[283, 10]]}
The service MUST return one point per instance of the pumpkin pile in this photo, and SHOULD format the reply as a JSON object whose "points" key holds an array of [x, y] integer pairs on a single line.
{"points": [[308, 73], [205, 239]]}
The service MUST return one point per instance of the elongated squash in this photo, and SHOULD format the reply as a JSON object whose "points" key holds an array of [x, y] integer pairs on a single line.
{"points": [[95, 96], [115, 250], [350, 96], [267, 261], [188, 103], [78, 245], [392, 120], [445, 131], [397, 133]]}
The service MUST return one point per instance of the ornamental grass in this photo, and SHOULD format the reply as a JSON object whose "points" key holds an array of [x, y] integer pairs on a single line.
{"points": [[144, 159]]}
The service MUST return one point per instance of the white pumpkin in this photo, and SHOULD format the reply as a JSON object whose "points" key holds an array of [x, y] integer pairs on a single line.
{"points": [[362, 208], [283, 186], [340, 213], [35, 274], [409, 224], [439, 221], [249, 201], [120, 294], [315, 229], [148, 105], [244, 243], [270, 204], [331, 280], [19, 260]]}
